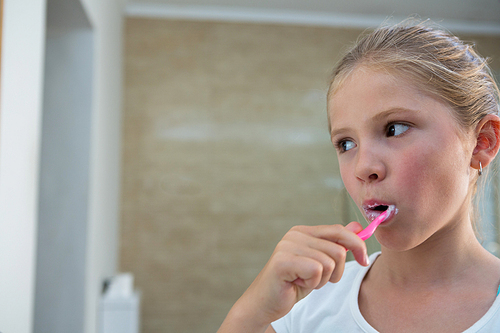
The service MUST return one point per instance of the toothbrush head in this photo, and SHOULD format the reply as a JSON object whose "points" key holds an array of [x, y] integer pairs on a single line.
{"points": [[370, 229]]}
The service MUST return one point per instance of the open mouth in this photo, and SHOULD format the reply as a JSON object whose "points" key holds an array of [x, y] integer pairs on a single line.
{"points": [[380, 208], [372, 211]]}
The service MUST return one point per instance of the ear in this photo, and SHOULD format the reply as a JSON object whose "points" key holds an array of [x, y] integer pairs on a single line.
{"points": [[488, 141]]}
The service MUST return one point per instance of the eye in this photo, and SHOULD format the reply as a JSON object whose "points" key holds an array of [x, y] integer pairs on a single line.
{"points": [[396, 129], [345, 145]]}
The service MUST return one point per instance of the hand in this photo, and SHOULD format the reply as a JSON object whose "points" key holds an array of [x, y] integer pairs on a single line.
{"points": [[305, 259]]}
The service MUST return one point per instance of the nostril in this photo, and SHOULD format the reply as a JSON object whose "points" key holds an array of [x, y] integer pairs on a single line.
{"points": [[373, 176]]}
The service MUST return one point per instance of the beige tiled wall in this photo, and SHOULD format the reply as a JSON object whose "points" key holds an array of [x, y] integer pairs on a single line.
{"points": [[225, 148]]}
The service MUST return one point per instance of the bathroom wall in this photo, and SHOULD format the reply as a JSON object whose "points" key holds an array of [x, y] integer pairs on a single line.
{"points": [[24, 43], [225, 148]]}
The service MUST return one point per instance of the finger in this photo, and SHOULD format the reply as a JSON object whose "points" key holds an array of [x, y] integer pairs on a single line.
{"points": [[339, 267], [340, 235], [333, 258], [331, 255], [355, 227], [324, 252], [303, 271]]}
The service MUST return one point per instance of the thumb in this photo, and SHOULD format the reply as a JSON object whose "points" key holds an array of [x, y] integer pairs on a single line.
{"points": [[355, 227]]}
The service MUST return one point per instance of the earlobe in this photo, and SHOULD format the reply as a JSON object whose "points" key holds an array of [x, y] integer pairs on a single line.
{"points": [[487, 141]]}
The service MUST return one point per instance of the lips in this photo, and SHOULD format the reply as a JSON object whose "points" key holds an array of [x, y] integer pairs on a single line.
{"points": [[373, 209]]}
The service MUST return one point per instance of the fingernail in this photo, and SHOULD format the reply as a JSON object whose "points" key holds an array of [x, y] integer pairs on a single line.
{"points": [[366, 259]]}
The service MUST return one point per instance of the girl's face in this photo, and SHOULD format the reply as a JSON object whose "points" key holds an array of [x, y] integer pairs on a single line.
{"points": [[399, 146]]}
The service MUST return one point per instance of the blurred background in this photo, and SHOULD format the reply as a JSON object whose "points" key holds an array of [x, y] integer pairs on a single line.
{"points": [[177, 141]]}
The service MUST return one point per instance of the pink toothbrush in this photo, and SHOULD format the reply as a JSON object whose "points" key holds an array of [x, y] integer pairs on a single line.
{"points": [[370, 229]]}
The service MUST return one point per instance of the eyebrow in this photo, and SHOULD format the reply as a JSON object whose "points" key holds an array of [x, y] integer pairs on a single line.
{"points": [[379, 116]]}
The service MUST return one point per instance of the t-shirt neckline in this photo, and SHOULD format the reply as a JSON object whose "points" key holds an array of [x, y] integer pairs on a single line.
{"points": [[366, 327]]}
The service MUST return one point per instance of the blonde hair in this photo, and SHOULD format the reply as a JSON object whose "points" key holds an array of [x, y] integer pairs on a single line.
{"points": [[437, 62]]}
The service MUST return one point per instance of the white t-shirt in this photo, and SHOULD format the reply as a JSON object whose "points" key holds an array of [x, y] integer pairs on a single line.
{"points": [[324, 311]]}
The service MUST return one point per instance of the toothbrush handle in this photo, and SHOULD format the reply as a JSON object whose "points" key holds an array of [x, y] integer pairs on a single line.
{"points": [[365, 234]]}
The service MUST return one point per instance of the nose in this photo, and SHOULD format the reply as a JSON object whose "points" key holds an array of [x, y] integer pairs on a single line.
{"points": [[369, 166]]}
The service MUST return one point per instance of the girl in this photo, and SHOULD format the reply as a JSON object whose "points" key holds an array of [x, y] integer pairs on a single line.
{"points": [[413, 114]]}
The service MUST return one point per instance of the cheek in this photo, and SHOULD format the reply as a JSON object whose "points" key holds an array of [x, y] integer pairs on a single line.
{"points": [[414, 178], [349, 179], [430, 179]]}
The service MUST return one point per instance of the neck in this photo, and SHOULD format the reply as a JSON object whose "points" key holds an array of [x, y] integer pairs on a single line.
{"points": [[444, 257]]}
